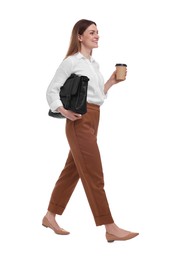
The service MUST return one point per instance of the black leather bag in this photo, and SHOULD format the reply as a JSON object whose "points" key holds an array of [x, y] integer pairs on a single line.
{"points": [[73, 95]]}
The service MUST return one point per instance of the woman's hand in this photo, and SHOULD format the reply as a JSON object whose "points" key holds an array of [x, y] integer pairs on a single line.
{"points": [[111, 81], [69, 114]]}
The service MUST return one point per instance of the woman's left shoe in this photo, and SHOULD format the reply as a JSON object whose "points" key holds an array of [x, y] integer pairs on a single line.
{"points": [[59, 231], [112, 238]]}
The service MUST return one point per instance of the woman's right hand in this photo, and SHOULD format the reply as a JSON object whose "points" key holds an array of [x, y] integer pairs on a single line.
{"points": [[69, 114]]}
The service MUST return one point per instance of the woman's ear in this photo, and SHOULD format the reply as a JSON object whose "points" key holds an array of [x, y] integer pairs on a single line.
{"points": [[79, 37]]}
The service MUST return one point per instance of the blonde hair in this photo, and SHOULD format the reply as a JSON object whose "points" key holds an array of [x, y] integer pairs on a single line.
{"points": [[78, 29]]}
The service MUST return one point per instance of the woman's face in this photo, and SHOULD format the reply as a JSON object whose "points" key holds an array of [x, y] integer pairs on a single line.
{"points": [[89, 39]]}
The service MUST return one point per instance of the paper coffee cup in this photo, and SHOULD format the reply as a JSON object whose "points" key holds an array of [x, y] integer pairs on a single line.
{"points": [[121, 71]]}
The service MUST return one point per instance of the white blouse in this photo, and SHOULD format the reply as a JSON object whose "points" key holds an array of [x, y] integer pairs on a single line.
{"points": [[79, 65]]}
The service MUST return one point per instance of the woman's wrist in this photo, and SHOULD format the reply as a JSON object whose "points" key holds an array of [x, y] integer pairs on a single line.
{"points": [[107, 86], [60, 109]]}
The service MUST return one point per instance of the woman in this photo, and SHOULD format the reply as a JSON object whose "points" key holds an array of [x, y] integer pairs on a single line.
{"points": [[84, 160]]}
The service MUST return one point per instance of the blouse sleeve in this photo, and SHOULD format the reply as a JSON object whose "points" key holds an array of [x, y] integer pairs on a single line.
{"points": [[61, 74]]}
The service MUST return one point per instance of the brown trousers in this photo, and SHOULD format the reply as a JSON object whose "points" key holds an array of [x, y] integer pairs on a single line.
{"points": [[83, 162]]}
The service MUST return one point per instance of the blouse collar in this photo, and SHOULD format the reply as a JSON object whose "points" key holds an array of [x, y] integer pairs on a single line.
{"points": [[81, 56]]}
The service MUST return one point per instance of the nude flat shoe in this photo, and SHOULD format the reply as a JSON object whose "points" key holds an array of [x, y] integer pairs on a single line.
{"points": [[112, 238], [47, 224]]}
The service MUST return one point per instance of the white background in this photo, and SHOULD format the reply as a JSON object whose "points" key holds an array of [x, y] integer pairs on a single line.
{"points": [[133, 135]]}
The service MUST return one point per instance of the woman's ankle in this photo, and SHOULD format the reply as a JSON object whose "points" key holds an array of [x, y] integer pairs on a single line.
{"points": [[50, 214], [108, 227]]}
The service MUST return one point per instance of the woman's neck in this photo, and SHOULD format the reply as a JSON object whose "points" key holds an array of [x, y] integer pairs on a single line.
{"points": [[86, 53]]}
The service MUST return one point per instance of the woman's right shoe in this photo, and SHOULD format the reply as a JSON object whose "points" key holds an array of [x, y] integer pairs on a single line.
{"points": [[112, 238], [60, 231]]}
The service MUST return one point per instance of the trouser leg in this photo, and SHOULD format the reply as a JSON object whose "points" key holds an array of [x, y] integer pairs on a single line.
{"points": [[64, 187], [82, 138]]}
